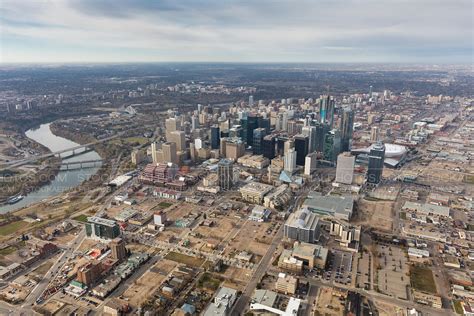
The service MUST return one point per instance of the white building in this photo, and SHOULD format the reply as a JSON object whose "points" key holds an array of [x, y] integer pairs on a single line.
{"points": [[290, 160], [310, 163], [345, 168]]}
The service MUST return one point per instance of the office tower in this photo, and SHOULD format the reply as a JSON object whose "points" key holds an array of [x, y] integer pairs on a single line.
{"points": [[311, 132], [169, 152], [215, 137], [376, 161], [347, 127], [301, 147], [332, 145], [284, 121], [252, 123], [138, 156], [179, 138], [197, 143], [194, 122], [223, 145], [171, 125], [264, 123], [321, 131], [101, 228], [370, 91], [154, 153], [258, 135], [251, 100], [326, 109], [269, 142], [374, 134], [234, 148], [236, 131], [311, 162], [199, 108], [225, 173], [345, 168], [117, 246], [288, 143], [290, 160]]}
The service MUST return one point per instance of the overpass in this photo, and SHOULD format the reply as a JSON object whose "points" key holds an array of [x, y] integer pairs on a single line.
{"points": [[72, 150]]}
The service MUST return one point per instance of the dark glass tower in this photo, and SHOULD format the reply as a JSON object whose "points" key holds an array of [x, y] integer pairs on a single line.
{"points": [[347, 128], [269, 142], [301, 147], [215, 137], [376, 161], [258, 135]]}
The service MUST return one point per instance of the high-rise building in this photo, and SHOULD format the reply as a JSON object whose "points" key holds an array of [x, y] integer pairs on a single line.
{"points": [[179, 138], [154, 153], [117, 246], [311, 162], [376, 161], [321, 131], [326, 109], [234, 148], [311, 132], [290, 160], [250, 100], [332, 145], [258, 135], [268, 150], [169, 152], [138, 156], [374, 134], [347, 128], [301, 147], [194, 122], [215, 137], [345, 168], [101, 228], [225, 173], [171, 125]]}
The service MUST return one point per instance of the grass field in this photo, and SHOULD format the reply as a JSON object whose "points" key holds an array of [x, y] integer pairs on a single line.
{"points": [[422, 279], [188, 260], [164, 205], [81, 218], [12, 227], [209, 282], [403, 215]]}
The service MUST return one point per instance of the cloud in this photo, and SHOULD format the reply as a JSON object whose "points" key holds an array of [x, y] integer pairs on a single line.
{"points": [[231, 30]]}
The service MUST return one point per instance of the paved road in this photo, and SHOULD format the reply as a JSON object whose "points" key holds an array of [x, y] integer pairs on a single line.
{"points": [[426, 310], [243, 301]]}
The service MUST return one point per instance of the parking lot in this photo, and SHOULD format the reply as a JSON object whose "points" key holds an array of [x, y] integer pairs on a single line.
{"points": [[392, 271], [339, 268]]}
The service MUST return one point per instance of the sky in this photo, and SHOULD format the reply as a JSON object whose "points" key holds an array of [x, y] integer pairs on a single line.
{"points": [[378, 31]]}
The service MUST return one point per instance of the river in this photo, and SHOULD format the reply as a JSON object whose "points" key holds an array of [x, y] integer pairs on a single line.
{"points": [[66, 179]]}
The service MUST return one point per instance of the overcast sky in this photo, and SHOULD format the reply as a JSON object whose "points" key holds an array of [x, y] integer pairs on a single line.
{"points": [[432, 31]]}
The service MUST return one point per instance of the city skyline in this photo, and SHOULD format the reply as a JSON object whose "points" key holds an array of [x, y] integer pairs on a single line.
{"points": [[236, 31]]}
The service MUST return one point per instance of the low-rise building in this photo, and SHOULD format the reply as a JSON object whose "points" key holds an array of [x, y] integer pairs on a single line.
{"points": [[266, 302], [339, 207], [254, 192], [286, 284], [223, 302], [259, 214]]}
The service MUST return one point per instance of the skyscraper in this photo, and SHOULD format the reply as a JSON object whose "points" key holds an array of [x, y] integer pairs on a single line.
{"points": [[347, 128], [258, 135], [376, 161], [268, 146], [301, 147], [171, 125], [310, 164], [326, 109], [154, 153], [332, 145], [215, 137], [169, 152], [225, 174], [345, 168], [290, 160], [374, 134], [251, 100], [311, 132], [179, 138]]}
